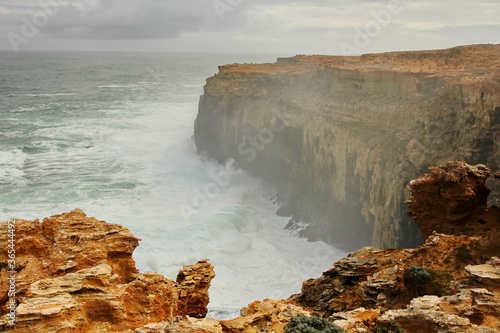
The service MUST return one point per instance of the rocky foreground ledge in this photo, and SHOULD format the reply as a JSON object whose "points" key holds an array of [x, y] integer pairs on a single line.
{"points": [[76, 274]]}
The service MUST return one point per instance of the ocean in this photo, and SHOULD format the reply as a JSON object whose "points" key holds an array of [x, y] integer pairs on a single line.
{"points": [[111, 134]]}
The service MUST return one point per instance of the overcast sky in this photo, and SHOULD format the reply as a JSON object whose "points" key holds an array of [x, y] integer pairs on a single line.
{"points": [[339, 27]]}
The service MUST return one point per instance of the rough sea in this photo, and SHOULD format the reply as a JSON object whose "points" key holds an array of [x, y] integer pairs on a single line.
{"points": [[112, 134]]}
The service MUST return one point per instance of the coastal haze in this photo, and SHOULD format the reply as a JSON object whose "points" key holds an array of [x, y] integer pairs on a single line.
{"points": [[99, 104]]}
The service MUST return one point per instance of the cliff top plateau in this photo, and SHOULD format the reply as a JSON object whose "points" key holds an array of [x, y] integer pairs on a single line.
{"points": [[463, 63]]}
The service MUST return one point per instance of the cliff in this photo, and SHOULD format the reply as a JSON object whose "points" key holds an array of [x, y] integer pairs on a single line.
{"points": [[341, 137], [72, 273]]}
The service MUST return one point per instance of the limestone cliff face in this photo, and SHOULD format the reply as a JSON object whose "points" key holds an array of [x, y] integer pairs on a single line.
{"points": [[341, 141]]}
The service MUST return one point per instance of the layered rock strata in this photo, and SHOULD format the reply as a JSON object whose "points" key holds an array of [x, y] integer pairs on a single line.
{"points": [[73, 273], [342, 137]]}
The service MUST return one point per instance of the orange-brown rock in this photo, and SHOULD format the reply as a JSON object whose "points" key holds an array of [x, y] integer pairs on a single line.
{"points": [[268, 316], [373, 278], [76, 274], [184, 325], [453, 200], [367, 289], [193, 283], [475, 307], [359, 320]]}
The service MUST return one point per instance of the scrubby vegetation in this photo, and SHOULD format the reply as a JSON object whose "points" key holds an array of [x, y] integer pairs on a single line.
{"points": [[420, 281], [416, 280], [305, 324], [440, 284]]}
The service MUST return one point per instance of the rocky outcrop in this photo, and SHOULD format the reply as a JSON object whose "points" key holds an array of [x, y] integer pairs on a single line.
{"points": [[73, 273], [436, 315], [375, 279], [342, 140], [452, 200], [266, 316], [449, 284], [474, 308]]}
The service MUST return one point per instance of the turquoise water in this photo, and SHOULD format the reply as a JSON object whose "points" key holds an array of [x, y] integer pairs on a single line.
{"points": [[112, 134]]}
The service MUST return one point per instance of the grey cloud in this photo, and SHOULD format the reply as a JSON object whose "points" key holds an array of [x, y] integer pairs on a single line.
{"points": [[257, 25], [144, 19], [138, 19]]}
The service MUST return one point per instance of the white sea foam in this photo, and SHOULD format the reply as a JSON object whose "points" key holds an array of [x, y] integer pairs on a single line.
{"points": [[11, 163], [118, 86], [50, 95], [131, 160]]}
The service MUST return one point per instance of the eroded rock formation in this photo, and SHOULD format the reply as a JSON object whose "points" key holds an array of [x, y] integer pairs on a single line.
{"points": [[373, 278], [341, 141], [76, 274], [453, 200], [268, 316]]}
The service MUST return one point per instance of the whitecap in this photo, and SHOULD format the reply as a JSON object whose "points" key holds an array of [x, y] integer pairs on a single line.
{"points": [[50, 95], [11, 163], [117, 86]]}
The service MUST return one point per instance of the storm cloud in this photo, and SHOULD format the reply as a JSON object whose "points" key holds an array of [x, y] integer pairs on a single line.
{"points": [[316, 26]]}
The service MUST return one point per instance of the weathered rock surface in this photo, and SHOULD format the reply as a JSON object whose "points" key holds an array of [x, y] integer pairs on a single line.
{"points": [[453, 200], [488, 273], [266, 316], [76, 274], [424, 314], [367, 289], [374, 279], [341, 142]]}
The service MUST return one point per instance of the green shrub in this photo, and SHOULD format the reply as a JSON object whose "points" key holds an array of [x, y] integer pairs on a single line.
{"points": [[416, 280], [305, 324], [420, 281]]}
